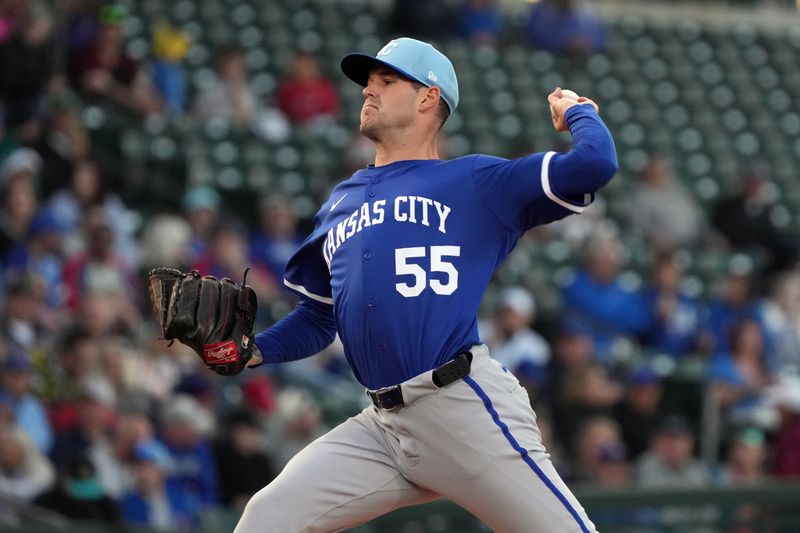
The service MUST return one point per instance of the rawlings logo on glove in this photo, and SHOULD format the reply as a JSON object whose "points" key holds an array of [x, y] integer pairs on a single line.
{"points": [[220, 352], [216, 318]]}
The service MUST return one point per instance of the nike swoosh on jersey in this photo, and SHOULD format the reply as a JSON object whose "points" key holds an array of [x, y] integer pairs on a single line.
{"points": [[337, 201]]}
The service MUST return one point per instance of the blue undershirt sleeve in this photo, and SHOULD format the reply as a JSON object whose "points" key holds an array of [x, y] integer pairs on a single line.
{"points": [[543, 187], [590, 164], [304, 332]]}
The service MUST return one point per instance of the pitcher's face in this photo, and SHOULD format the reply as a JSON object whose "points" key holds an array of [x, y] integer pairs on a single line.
{"points": [[390, 101]]}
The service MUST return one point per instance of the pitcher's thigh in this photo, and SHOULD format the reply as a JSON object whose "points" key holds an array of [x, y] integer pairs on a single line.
{"points": [[524, 496], [342, 479], [520, 491]]}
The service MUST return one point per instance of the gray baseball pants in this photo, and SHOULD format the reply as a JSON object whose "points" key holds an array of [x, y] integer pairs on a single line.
{"points": [[474, 442]]}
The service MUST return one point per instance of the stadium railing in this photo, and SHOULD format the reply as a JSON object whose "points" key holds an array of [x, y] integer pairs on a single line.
{"points": [[770, 506]]}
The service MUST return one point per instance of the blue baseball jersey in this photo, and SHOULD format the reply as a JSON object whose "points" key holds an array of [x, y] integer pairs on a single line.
{"points": [[403, 252]]}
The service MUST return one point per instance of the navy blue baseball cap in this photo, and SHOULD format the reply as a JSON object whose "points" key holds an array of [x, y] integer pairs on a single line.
{"points": [[643, 376], [674, 425], [416, 60], [46, 221], [17, 362]]}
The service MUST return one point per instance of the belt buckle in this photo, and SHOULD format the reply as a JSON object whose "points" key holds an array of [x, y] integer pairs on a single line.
{"points": [[376, 395]]}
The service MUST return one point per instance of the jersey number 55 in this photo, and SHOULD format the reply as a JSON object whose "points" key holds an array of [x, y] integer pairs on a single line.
{"points": [[444, 287]]}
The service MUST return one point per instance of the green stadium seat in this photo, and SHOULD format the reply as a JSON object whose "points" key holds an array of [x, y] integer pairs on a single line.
{"points": [[632, 26], [598, 65], [744, 34], [225, 153], [688, 30], [231, 178], [458, 145], [485, 57], [134, 144], [643, 48], [508, 126], [291, 183], [163, 148], [256, 57], [514, 57], [722, 97], [655, 69], [364, 24], [251, 38], [220, 33], [133, 26], [502, 102], [243, 15], [706, 189], [184, 11], [634, 160], [789, 124], [199, 55], [710, 73], [700, 52], [541, 61], [216, 128], [665, 92]]}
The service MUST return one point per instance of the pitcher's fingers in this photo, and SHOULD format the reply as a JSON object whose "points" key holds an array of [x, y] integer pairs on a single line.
{"points": [[584, 100]]}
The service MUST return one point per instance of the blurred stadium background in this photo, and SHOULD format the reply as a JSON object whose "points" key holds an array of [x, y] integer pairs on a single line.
{"points": [[658, 333]]}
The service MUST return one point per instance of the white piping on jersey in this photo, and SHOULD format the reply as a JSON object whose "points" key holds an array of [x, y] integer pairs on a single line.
{"points": [[302, 290], [549, 192]]}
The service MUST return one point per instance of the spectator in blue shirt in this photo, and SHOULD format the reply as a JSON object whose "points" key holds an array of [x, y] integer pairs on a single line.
{"points": [[25, 472], [201, 205], [19, 176], [22, 324], [738, 377], [783, 319], [640, 410], [184, 428], [28, 410], [277, 239], [170, 46], [41, 254], [91, 435], [738, 302], [89, 189], [153, 502], [677, 318], [481, 21], [563, 26], [596, 299], [424, 19], [513, 341], [228, 256]]}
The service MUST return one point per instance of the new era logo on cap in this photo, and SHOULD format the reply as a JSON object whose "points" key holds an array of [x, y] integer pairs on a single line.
{"points": [[413, 59]]}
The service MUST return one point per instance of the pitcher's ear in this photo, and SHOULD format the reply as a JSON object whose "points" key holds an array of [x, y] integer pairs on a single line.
{"points": [[430, 98]]}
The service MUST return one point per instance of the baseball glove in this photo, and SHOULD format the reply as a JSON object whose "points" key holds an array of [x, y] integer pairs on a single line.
{"points": [[214, 317]]}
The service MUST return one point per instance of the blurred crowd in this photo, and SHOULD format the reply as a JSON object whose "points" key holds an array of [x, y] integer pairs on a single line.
{"points": [[102, 420]]}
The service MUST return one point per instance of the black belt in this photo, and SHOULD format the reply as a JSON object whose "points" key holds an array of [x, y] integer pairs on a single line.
{"points": [[390, 398]]}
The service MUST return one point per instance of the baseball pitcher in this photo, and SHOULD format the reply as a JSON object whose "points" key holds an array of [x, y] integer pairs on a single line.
{"points": [[397, 264]]}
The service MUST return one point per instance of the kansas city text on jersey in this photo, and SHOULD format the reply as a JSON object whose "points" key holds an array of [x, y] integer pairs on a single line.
{"points": [[409, 209]]}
